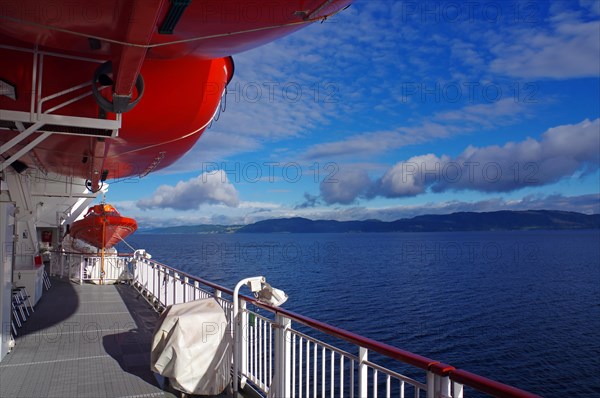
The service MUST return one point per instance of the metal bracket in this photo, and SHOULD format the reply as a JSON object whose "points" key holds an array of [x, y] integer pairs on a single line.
{"points": [[40, 120]]}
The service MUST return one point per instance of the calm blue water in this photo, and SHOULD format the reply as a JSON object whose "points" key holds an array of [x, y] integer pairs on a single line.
{"points": [[519, 307]]}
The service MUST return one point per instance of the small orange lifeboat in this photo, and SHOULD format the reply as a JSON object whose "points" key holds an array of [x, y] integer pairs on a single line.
{"points": [[103, 227]]}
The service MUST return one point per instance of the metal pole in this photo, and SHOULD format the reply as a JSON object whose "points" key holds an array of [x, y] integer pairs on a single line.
{"points": [[282, 357], [237, 328], [363, 356]]}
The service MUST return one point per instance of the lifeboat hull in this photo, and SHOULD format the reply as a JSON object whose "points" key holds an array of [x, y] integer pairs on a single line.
{"points": [[180, 99], [163, 29], [103, 227]]}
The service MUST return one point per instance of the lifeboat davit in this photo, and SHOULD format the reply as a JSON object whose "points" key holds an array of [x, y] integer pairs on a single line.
{"points": [[180, 100], [103, 227]]}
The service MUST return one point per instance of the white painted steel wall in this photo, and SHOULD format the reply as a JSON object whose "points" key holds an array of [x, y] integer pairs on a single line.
{"points": [[6, 256]]}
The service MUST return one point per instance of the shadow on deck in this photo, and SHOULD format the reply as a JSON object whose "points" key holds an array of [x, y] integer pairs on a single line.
{"points": [[84, 341]]}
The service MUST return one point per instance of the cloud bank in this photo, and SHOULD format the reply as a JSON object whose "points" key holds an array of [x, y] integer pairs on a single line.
{"points": [[562, 151], [207, 188]]}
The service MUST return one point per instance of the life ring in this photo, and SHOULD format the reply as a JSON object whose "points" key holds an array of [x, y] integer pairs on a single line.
{"points": [[102, 76]]}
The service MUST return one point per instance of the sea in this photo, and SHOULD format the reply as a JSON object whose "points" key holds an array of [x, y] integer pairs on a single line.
{"points": [[520, 307]]}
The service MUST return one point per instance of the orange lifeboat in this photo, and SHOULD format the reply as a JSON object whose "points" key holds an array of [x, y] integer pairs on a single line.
{"points": [[103, 227]]}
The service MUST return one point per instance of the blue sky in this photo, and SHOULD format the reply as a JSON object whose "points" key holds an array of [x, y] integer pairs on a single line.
{"points": [[393, 109]]}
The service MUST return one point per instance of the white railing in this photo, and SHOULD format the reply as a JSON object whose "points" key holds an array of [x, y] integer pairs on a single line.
{"points": [[329, 371], [257, 363], [292, 363], [92, 268]]}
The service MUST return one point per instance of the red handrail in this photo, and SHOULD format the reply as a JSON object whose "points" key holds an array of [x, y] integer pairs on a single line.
{"points": [[488, 386], [477, 382], [374, 345]]}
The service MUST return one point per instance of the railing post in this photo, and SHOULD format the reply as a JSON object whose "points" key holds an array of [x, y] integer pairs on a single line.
{"points": [[158, 286], [150, 277], [165, 282], [281, 385], [91, 261], [218, 295], [243, 341], [59, 263], [135, 271], [80, 270], [363, 372], [458, 390], [430, 385], [445, 391], [186, 284], [109, 269], [438, 386], [147, 267], [175, 276]]}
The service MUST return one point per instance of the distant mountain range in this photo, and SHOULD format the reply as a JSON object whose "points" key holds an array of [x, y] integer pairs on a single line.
{"points": [[465, 221], [193, 229]]}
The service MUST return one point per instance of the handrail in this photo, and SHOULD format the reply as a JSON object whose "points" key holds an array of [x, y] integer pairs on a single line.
{"points": [[472, 380], [488, 386], [382, 348]]}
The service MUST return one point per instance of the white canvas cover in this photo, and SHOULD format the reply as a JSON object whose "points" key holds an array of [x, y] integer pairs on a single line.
{"points": [[192, 347]]}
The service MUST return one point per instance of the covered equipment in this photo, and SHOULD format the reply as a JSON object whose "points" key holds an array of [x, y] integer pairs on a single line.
{"points": [[192, 347]]}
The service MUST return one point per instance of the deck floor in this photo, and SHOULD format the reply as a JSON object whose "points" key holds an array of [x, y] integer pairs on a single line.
{"points": [[83, 341]]}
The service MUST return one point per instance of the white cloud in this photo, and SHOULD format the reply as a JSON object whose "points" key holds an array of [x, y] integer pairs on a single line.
{"points": [[258, 205], [561, 152], [569, 48], [363, 145], [210, 187], [345, 186], [407, 178], [468, 119], [486, 115]]}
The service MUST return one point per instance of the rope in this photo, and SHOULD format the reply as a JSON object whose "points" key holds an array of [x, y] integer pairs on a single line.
{"points": [[224, 101], [128, 245]]}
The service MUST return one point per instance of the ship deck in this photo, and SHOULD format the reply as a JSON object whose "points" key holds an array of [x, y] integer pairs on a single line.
{"points": [[85, 341]]}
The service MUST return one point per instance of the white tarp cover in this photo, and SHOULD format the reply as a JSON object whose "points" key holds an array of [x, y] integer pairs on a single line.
{"points": [[192, 347]]}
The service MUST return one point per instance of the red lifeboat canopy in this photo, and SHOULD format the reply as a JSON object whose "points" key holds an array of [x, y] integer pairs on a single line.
{"points": [[103, 227]]}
